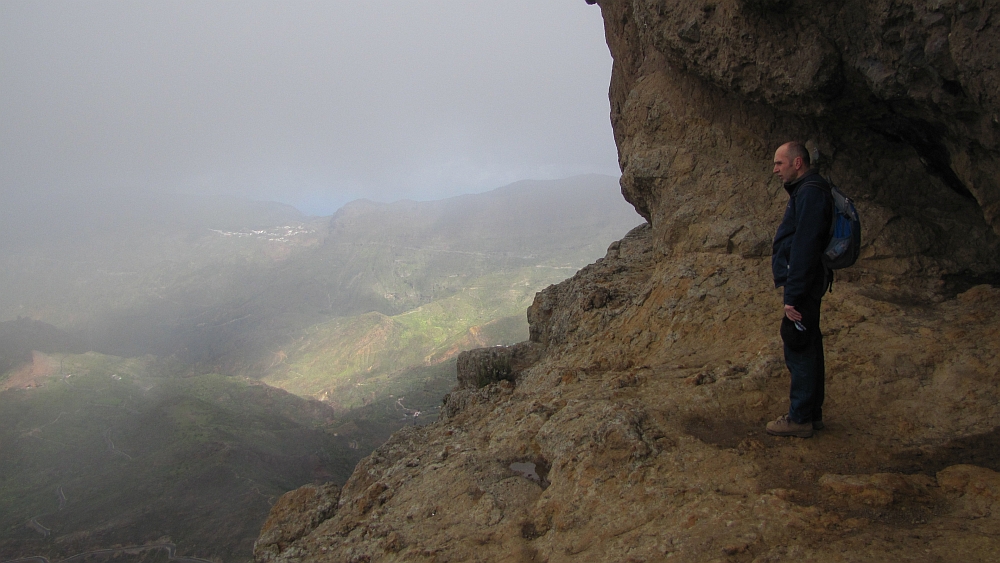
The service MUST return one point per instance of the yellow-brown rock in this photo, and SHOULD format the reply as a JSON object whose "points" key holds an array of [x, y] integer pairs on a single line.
{"points": [[977, 489], [294, 515]]}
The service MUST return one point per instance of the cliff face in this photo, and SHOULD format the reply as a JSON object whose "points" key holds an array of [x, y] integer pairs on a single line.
{"points": [[902, 100], [630, 427]]}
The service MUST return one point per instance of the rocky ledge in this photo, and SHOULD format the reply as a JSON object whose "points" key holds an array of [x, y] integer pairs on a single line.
{"points": [[639, 434], [630, 427]]}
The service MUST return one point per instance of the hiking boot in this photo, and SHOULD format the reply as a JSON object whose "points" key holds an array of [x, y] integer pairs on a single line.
{"points": [[818, 425], [785, 427]]}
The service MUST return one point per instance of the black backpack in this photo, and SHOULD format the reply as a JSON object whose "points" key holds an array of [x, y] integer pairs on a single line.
{"points": [[845, 233]]}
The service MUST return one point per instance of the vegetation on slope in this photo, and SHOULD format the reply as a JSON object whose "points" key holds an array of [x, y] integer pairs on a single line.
{"points": [[114, 451], [350, 361]]}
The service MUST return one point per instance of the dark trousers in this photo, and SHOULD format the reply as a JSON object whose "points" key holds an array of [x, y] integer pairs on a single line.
{"points": [[807, 369]]}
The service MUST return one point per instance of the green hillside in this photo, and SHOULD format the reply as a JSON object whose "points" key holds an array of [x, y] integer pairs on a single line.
{"points": [[350, 361], [111, 454]]}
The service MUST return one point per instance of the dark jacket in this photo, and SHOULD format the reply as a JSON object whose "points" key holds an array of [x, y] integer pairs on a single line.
{"points": [[801, 238]]}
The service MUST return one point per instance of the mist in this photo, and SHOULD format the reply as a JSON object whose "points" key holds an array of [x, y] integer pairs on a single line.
{"points": [[312, 104], [241, 244]]}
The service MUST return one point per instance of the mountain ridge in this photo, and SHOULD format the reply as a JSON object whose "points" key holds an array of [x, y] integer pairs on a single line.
{"points": [[259, 286]]}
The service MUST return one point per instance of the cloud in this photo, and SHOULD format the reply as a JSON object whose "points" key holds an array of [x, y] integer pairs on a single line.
{"points": [[312, 103]]}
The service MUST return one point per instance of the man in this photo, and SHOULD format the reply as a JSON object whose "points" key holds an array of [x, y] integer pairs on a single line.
{"points": [[797, 266]]}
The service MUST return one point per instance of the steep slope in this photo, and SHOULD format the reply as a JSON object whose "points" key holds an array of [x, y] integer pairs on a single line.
{"points": [[630, 426], [113, 453]]}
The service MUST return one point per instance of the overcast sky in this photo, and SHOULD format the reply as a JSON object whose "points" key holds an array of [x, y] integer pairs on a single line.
{"points": [[306, 102]]}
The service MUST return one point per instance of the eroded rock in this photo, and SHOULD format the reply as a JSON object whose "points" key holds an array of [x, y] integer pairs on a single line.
{"points": [[484, 366], [296, 514], [978, 489]]}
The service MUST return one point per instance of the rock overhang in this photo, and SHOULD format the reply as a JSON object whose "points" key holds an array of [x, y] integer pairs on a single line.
{"points": [[900, 100]]}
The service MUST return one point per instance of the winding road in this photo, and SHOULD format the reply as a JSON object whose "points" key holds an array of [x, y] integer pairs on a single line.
{"points": [[111, 446], [37, 526], [406, 411]]}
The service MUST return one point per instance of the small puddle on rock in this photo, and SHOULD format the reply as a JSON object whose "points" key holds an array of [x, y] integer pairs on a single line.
{"points": [[531, 472]]}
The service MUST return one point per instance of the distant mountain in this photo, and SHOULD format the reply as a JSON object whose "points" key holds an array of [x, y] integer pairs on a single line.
{"points": [[536, 220], [221, 297]]}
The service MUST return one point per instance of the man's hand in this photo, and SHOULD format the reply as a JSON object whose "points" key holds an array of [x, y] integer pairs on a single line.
{"points": [[792, 314]]}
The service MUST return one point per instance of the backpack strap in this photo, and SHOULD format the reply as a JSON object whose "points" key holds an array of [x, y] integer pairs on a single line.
{"points": [[833, 224]]}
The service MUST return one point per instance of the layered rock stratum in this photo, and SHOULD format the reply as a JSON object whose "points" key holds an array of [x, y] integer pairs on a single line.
{"points": [[630, 426]]}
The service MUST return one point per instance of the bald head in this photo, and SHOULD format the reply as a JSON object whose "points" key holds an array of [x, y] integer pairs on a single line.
{"points": [[798, 150], [791, 161]]}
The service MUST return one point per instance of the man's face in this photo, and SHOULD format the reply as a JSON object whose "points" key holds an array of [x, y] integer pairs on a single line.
{"points": [[785, 167]]}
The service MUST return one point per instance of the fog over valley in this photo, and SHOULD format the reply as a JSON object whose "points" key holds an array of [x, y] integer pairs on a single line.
{"points": [[242, 244], [158, 345]]}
